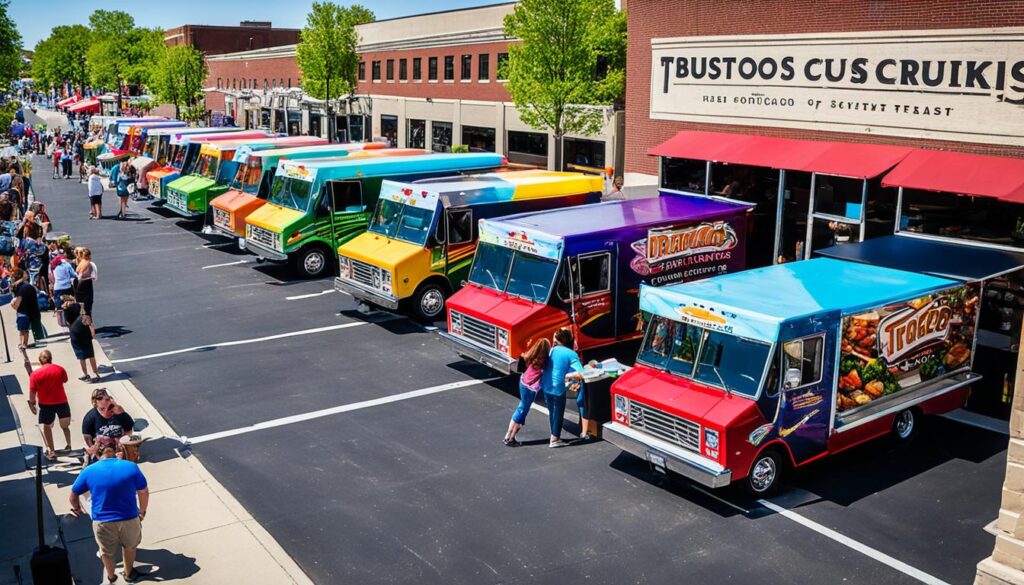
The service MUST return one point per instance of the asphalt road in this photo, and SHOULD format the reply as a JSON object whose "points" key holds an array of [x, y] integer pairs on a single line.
{"points": [[419, 489]]}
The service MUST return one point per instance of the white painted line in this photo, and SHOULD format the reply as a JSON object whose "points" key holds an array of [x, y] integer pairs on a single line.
{"points": [[979, 420], [241, 342], [309, 296], [279, 422], [853, 544], [227, 264], [220, 245]]}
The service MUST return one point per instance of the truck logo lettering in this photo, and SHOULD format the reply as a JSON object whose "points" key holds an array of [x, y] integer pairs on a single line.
{"points": [[908, 330], [667, 244]]}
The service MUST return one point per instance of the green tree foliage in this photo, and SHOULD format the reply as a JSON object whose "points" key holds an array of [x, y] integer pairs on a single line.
{"points": [[553, 71], [144, 49], [326, 53], [10, 47], [178, 77], [62, 56], [120, 53]]}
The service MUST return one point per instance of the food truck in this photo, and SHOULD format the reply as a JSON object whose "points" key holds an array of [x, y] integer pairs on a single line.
{"points": [[119, 145], [139, 133], [581, 268], [248, 191], [158, 141], [315, 206], [190, 195], [422, 237], [745, 375], [183, 152]]}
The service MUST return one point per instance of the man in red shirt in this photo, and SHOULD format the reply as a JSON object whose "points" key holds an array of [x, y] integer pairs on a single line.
{"points": [[48, 383]]}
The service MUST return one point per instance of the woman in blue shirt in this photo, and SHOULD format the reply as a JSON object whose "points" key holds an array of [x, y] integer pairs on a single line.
{"points": [[563, 364]]}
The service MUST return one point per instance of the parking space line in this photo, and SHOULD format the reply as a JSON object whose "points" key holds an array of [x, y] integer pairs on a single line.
{"points": [[227, 264], [855, 545], [217, 245], [240, 342], [279, 422], [309, 296]]}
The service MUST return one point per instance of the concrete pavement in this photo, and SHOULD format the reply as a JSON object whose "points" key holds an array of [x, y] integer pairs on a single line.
{"points": [[195, 532]]}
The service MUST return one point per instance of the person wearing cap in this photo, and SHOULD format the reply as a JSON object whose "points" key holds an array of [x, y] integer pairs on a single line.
{"points": [[120, 497], [106, 419]]}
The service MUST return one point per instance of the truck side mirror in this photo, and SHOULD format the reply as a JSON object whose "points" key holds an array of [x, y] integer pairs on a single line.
{"points": [[793, 377]]}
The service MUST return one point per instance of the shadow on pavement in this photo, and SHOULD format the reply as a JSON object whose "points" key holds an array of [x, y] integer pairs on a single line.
{"points": [[163, 565], [679, 487], [112, 331], [12, 387]]}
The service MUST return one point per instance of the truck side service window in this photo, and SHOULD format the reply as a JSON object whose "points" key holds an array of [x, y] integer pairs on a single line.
{"points": [[460, 226], [594, 273], [802, 356], [346, 196]]}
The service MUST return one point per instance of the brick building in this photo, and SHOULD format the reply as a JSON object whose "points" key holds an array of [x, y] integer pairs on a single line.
{"points": [[854, 125], [216, 40], [427, 81]]}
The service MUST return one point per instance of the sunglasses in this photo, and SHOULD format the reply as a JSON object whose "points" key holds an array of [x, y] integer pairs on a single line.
{"points": [[102, 398]]}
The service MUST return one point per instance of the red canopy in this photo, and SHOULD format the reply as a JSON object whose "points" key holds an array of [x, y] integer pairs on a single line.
{"points": [[90, 105], [862, 161], [956, 172], [68, 100]]}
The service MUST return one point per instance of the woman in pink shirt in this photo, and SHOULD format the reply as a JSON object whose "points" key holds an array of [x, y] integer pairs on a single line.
{"points": [[529, 384]]}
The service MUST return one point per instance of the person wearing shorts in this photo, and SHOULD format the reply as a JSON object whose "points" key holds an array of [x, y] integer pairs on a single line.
{"points": [[47, 383], [114, 485], [95, 193]]}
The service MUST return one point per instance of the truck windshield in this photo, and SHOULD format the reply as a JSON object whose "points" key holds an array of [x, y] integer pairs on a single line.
{"points": [[732, 363], [207, 166], [247, 179], [150, 148], [513, 272], [290, 192], [402, 222]]}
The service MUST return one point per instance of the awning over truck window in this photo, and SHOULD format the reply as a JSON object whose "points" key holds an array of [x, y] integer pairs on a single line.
{"points": [[89, 105], [956, 172], [862, 161], [945, 259]]}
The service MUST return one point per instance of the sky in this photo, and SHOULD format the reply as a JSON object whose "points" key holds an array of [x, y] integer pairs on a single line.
{"points": [[35, 18]]}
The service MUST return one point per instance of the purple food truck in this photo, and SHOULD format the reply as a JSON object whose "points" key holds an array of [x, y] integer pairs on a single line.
{"points": [[581, 267]]}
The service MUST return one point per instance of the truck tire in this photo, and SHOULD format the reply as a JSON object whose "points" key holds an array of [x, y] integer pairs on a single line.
{"points": [[904, 425], [311, 262], [429, 302], [765, 472]]}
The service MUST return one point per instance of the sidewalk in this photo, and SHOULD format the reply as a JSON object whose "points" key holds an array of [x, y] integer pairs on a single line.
{"points": [[195, 532]]}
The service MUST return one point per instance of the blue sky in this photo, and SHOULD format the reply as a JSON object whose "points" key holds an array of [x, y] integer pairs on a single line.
{"points": [[35, 18]]}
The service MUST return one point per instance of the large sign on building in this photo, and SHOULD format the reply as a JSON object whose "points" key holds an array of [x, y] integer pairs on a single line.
{"points": [[963, 85]]}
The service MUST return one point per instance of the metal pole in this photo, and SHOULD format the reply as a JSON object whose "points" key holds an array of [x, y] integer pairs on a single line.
{"points": [[3, 328], [899, 217], [863, 209], [707, 178], [810, 219], [778, 216]]}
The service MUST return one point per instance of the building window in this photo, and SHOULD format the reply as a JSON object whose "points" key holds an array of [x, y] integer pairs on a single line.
{"points": [[432, 69], [253, 83], [234, 83], [530, 148], [376, 70], [218, 83], [416, 134], [391, 69], [417, 72], [467, 68], [403, 69], [289, 82], [478, 139], [389, 129], [449, 68], [483, 67], [502, 64], [583, 153], [266, 84], [441, 136], [362, 71]]}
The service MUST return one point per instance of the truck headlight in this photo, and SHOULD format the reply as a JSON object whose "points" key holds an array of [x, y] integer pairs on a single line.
{"points": [[621, 407], [376, 277], [385, 281], [344, 267], [503, 340], [456, 324], [277, 240], [711, 438]]}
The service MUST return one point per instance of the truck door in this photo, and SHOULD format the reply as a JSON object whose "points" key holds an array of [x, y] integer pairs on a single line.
{"points": [[341, 204], [592, 296], [805, 412], [460, 241]]}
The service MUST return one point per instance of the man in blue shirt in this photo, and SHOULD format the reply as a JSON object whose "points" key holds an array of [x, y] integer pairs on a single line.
{"points": [[563, 364], [116, 517]]}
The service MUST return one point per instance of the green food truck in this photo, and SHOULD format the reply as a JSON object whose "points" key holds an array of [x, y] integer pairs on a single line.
{"points": [[316, 206]]}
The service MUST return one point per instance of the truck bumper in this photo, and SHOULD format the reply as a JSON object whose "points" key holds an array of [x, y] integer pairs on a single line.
{"points": [[469, 350], [265, 252], [689, 465], [182, 212], [223, 231], [366, 294]]}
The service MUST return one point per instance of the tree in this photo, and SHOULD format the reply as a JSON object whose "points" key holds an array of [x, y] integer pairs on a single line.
{"points": [[62, 57], [571, 56], [121, 53], [326, 53], [10, 48], [178, 77]]}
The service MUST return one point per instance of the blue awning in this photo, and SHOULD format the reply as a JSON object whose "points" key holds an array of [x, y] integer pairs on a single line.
{"points": [[945, 259]]}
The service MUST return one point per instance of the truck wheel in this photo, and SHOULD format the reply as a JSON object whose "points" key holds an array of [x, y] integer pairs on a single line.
{"points": [[904, 425], [764, 474], [311, 262], [428, 302]]}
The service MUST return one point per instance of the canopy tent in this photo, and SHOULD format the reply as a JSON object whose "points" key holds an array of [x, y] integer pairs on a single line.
{"points": [[860, 161], [956, 172], [90, 105], [939, 258], [68, 101]]}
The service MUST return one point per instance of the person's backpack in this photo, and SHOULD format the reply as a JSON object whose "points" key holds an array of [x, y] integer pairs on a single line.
{"points": [[45, 302]]}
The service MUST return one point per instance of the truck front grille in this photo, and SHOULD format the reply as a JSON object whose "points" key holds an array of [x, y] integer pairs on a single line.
{"points": [[177, 199], [262, 236], [665, 426], [221, 218], [363, 273], [478, 331]]}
